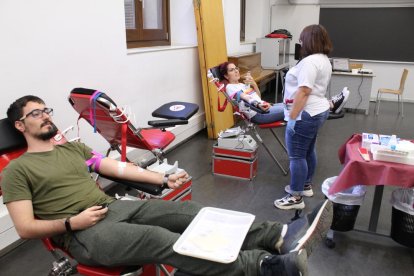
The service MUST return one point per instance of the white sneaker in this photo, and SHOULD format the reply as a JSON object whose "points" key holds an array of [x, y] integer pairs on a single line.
{"points": [[307, 190], [340, 100], [289, 202]]}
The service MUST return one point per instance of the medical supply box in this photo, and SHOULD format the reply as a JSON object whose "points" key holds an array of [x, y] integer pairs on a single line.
{"points": [[238, 163], [403, 153], [368, 139]]}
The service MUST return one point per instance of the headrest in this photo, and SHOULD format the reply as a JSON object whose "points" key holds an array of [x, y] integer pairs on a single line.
{"points": [[215, 71], [10, 137], [87, 91]]}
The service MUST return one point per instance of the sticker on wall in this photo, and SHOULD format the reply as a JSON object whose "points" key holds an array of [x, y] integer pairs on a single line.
{"points": [[177, 107]]}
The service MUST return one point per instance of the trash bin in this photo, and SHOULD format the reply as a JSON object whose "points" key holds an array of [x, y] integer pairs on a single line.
{"points": [[345, 205], [402, 218]]}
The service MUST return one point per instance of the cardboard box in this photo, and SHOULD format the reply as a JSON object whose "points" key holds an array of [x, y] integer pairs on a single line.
{"points": [[384, 139], [368, 139]]}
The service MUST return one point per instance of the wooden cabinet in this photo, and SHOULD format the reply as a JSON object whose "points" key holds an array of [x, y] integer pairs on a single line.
{"points": [[252, 62]]}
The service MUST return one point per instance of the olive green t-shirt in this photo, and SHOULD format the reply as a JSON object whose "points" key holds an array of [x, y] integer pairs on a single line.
{"points": [[57, 182]]}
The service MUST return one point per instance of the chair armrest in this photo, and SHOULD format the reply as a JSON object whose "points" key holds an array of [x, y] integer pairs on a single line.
{"points": [[176, 110], [252, 107], [167, 123], [152, 189]]}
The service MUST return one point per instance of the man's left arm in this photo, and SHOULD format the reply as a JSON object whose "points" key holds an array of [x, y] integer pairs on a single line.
{"points": [[131, 172]]}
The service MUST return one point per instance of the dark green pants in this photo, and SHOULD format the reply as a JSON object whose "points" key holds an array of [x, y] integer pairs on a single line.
{"points": [[144, 232]]}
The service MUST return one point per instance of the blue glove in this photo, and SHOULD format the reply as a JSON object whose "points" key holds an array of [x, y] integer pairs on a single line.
{"points": [[291, 124]]}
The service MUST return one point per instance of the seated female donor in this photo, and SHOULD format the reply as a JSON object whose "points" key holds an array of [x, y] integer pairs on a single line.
{"points": [[249, 92]]}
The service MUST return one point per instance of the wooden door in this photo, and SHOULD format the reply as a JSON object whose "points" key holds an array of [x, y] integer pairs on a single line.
{"points": [[212, 51]]}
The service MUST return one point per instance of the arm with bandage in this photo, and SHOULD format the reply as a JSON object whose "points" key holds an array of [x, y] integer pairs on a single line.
{"points": [[250, 95], [254, 100], [131, 172]]}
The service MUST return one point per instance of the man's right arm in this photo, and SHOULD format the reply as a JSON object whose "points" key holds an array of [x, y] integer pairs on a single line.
{"points": [[28, 227]]}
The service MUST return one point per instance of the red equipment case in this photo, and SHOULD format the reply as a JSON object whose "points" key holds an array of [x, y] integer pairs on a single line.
{"points": [[236, 163]]}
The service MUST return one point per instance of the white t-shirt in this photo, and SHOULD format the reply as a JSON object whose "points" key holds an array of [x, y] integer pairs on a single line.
{"points": [[314, 72], [232, 90]]}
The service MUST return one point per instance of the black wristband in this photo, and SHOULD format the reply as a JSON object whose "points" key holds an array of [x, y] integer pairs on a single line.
{"points": [[165, 181], [67, 225]]}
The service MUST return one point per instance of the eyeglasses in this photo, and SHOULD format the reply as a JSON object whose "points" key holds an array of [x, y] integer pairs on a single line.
{"points": [[232, 69], [38, 113]]}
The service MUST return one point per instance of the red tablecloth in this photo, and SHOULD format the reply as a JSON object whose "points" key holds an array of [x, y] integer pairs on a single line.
{"points": [[357, 171]]}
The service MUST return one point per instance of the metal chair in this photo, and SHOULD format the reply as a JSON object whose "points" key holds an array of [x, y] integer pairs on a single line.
{"points": [[213, 74], [398, 92]]}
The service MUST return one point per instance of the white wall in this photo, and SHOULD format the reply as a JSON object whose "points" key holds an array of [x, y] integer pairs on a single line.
{"points": [[183, 29], [257, 24], [294, 18], [49, 47], [231, 10], [387, 74]]}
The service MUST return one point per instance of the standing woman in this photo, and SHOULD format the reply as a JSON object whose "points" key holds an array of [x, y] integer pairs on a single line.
{"points": [[306, 109]]}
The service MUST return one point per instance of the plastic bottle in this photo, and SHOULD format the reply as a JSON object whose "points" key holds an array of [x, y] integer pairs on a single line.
{"points": [[393, 142]]}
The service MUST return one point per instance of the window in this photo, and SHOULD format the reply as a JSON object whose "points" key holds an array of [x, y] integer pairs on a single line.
{"points": [[147, 23], [242, 20]]}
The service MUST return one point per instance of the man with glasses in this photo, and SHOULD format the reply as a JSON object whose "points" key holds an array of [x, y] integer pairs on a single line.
{"points": [[37, 114], [49, 192]]}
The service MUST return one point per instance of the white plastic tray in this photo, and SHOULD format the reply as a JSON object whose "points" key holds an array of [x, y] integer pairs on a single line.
{"points": [[383, 156], [164, 167], [215, 234]]}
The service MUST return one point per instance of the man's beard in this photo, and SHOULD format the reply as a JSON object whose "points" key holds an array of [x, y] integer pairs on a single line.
{"points": [[52, 131]]}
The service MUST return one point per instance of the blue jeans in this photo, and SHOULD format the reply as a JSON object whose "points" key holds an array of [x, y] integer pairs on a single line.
{"points": [[300, 142], [275, 114]]}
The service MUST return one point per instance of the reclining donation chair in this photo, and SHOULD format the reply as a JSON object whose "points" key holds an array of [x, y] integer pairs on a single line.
{"points": [[213, 75], [12, 145], [115, 126]]}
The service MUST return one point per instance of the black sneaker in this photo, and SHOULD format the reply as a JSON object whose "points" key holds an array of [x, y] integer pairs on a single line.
{"points": [[339, 100], [289, 202], [292, 264], [309, 230]]}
